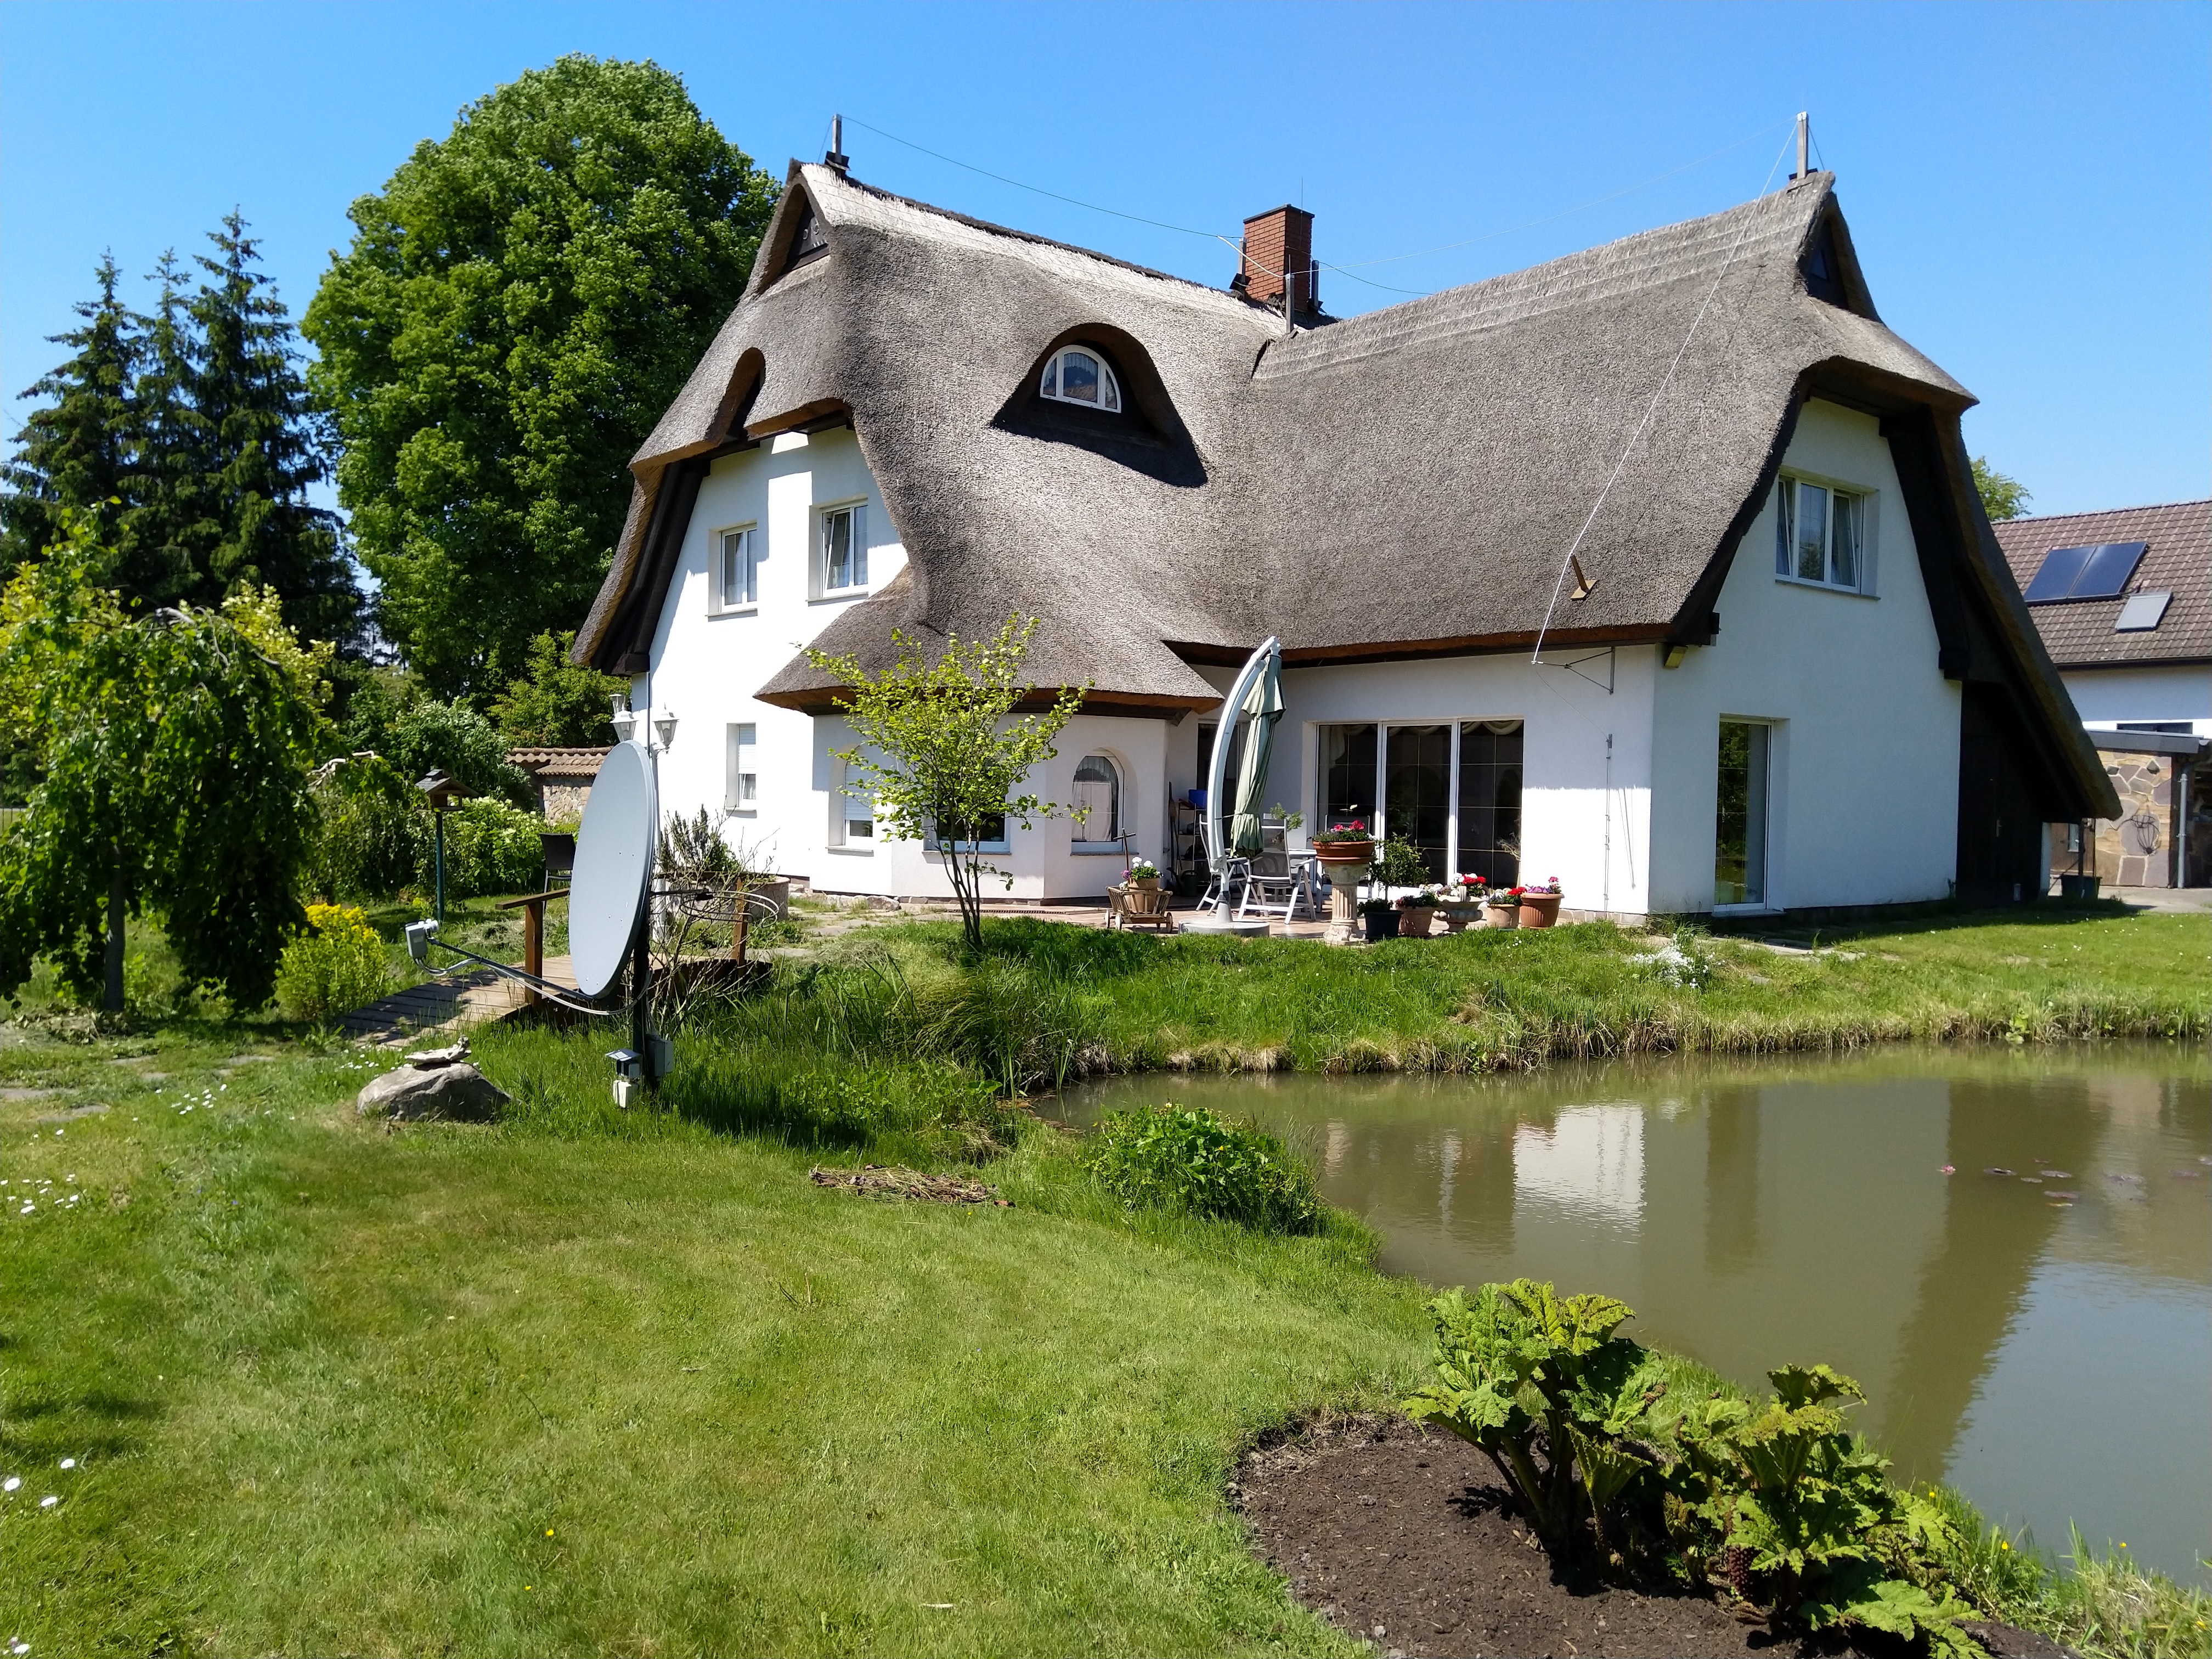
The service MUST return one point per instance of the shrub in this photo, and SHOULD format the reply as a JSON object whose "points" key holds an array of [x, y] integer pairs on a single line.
{"points": [[490, 847], [470, 748], [1400, 863], [336, 963], [1776, 1502], [371, 828], [1181, 1158]]}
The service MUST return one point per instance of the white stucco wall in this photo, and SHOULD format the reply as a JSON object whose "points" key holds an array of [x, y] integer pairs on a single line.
{"points": [[2105, 696], [706, 664], [1568, 812], [1864, 770]]}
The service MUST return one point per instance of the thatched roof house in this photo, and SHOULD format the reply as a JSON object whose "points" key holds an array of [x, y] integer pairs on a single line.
{"points": [[1400, 488]]}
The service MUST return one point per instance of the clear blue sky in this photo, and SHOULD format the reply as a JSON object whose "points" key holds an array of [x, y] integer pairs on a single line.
{"points": [[2028, 185]]}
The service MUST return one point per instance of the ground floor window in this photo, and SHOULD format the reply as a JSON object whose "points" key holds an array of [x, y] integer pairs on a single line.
{"points": [[1453, 789], [1739, 817], [1099, 798], [988, 834]]}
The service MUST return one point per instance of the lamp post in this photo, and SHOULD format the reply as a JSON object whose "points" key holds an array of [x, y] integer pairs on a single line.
{"points": [[443, 793], [642, 725]]}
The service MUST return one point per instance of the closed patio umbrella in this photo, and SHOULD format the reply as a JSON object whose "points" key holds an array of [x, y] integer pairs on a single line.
{"points": [[1263, 707]]}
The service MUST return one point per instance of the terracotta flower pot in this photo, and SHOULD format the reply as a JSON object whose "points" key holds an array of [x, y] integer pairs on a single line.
{"points": [[1501, 915], [1540, 909], [1414, 920], [1146, 883], [1361, 853]]}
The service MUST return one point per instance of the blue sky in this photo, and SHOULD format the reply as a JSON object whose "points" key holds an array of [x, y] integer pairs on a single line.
{"points": [[2028, 185]]}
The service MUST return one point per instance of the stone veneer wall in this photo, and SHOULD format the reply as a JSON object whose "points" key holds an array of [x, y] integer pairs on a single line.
{"points": [[2136, 848]]}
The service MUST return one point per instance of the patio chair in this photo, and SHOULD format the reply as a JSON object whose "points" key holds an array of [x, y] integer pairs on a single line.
{"points": [[1229, 875], [1284, 893]]}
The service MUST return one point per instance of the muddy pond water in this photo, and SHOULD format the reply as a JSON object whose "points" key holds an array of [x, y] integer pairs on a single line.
{"points": [[2034, 1327]]}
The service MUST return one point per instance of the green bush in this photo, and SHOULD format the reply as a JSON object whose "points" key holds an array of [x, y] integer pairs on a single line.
{"points": [[371, 829], [1400, 863], [335, 964], [1181, 1158], [1775, 1502], [490, 847]]}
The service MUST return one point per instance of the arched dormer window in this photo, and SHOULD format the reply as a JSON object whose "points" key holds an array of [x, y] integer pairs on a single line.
{"points": [[1075, 375]]}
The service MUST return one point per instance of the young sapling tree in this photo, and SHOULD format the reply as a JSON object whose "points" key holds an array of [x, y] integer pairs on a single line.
{"points": [[940, 753]]}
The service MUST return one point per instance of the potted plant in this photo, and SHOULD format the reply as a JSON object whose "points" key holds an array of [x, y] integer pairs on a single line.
{"points": [[1417, 914], [1381, 918], [1501, 908], [1142, 873], [1345, 843], [1540, 906], [1463, 902]]}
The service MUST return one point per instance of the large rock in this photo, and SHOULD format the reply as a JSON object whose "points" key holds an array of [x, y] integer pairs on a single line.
{"points": [[453, 1091]]}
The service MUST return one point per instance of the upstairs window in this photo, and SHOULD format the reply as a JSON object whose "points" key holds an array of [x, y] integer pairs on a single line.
{"points": [[1076, 376], [844, 548], [739, 572], [1822, 535]]}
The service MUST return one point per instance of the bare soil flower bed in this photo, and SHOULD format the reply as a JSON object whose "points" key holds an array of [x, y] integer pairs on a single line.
{"points": [[895, 1181], [1405, 1537]]}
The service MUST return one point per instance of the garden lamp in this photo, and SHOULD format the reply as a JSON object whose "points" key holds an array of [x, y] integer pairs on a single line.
{"points": [[665, 724], [444, 793], [623, 720]]}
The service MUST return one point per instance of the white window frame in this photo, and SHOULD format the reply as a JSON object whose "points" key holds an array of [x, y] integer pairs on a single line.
{"points": [[748, 599], [1317, 816], [1770, 816], [823, 516], [846, 802], [1109, 384], [1866, 511], [744, 768], [1083, 841]]}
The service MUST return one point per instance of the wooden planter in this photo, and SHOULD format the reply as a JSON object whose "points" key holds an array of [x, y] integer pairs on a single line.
{"points": [[1414, 920], [1540, 910], [1500, 916]]}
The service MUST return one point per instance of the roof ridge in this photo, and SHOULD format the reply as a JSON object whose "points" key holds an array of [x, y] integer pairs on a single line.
{"points": [[1012, 234], [2102, 512]]}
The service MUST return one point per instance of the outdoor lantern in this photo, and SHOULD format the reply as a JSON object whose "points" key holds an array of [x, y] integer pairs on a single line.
{"points": [[625, 723], [665, 724], [444, 793]]}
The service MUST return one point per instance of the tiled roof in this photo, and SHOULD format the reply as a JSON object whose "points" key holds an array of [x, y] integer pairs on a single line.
{"points": [[558, 762], [2078, 633]]}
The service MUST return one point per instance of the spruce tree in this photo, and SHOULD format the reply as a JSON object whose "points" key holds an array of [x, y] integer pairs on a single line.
{"points": [[75, 452], [258, 452]]}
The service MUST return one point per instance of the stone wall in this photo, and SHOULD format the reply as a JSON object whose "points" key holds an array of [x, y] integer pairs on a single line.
{"points": [[2136, 848]]}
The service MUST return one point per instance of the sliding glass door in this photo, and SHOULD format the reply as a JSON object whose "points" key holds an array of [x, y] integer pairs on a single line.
{"points": [[1453, 790]]}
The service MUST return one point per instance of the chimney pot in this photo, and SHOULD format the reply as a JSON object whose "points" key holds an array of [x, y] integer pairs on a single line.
{"points": [[1277, 242]]}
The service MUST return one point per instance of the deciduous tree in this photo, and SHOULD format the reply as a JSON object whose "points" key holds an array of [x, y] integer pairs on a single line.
{"points": [[2002, 497], [940, 755], [519, 305], [555, 703]]}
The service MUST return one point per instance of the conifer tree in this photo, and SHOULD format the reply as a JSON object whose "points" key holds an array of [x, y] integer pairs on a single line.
{"points": [[75, 452]]}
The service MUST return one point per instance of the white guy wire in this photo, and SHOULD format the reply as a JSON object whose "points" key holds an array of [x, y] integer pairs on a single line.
{"points": [[1650, 409]]}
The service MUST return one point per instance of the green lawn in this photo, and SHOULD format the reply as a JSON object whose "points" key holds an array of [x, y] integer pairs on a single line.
{"points": [[628, 1381]]}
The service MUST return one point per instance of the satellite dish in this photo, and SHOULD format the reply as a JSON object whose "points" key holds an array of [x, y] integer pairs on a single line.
{"points": [[614, 868]]}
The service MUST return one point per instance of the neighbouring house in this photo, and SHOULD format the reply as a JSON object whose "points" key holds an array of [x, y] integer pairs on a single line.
{"points": [[2124, 602], [561, 777], [1787, 668]]}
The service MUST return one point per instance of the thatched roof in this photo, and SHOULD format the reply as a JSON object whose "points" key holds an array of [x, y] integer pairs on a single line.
{"points": [[2079, 633], [1403, 484]]}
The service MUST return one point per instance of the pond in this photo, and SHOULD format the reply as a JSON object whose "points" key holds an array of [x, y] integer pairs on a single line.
{"points": [[2035, 1328]]}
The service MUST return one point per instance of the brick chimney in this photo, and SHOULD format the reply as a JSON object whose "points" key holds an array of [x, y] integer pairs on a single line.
{"points": [[1275, 242]]}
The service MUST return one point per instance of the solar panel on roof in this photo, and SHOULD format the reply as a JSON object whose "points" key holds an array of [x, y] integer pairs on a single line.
{"points": [[2108, 570], [2101, 572], [2054, 578]]}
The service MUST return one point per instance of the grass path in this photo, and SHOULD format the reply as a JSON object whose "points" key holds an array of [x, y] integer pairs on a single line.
{"points": [[479, 1391]]}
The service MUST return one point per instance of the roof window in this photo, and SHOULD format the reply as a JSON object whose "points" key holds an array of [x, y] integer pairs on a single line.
{"points": [[2100, 572], [1824, 270], [1076, 376], [2142, 612], [808, 242]]}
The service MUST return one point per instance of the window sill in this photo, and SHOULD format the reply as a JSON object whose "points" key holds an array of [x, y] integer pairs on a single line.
{"points": [[852, 852], [1762, 908], [1826, 587], [734, 610], [1096, 849], [839, 595], [741, 811]]}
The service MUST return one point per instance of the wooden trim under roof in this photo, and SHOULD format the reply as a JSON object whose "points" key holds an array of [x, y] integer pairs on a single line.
{"points": [[1135, 705]]}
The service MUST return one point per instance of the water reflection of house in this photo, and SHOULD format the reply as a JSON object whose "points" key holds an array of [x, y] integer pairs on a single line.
{"points": [[2123, 603]]}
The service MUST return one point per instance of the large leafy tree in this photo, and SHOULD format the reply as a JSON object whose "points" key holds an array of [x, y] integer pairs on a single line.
{"points": [[555, 703], [175, 755], [2002, 497], [517, 308]]}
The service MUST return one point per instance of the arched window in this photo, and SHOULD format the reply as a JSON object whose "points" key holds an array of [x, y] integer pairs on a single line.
{"points": [[1098, 787], [1076, 376]]}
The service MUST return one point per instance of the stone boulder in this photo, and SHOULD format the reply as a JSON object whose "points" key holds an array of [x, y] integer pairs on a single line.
{"points": [[437, 1085]]}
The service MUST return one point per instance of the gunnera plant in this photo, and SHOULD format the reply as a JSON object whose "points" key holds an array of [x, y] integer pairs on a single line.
{"points": [[1188, 1159]]}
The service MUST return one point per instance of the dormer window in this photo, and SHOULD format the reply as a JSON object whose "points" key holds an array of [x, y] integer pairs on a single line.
{"points": [[1076, 376]]}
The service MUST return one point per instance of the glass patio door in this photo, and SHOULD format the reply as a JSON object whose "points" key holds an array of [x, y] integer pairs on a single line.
{"points": [[1739, 817], [1418, 791]]}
